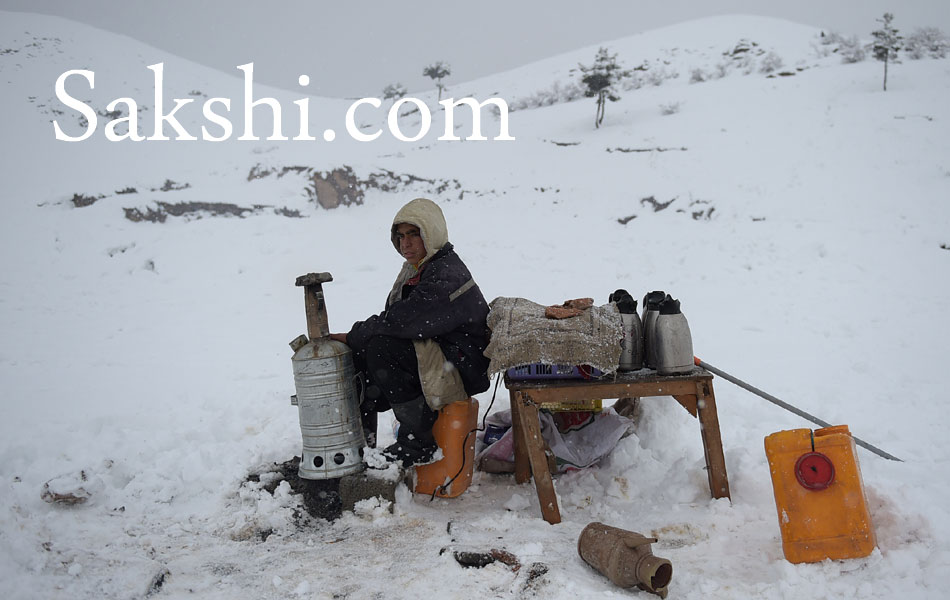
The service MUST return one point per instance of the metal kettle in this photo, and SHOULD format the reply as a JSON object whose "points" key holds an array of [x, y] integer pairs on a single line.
{"points": [[631, 353], [673, 342], [651, 308]]}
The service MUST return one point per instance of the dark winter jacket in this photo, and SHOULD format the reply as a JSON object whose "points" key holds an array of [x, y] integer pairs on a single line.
{"points": [[445, 305]]}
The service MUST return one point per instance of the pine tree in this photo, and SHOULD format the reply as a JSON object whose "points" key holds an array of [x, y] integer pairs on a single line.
{"points": [[602, 79], [437, 71], [886, 43]]}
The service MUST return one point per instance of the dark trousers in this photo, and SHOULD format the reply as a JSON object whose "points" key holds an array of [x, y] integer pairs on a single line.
{"points": [[391, 372], [391, 377]]}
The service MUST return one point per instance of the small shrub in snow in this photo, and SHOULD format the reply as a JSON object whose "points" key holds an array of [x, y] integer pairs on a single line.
{"points": [[823, 50], [770, 62], [698, 76], [721, 70], [827, 44], [634, 82], [927, 41], [566, 92], [746, 64], [556, 94], [653, 78], [520, 104], [670, 108], [658, 75], [832, 38], [394, 91], [851, 50]]}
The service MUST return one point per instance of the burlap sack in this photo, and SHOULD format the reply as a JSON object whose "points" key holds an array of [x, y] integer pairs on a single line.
{"points": [[521, 335]]}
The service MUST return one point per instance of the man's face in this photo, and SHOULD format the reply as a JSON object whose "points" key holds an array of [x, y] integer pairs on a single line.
{"points": [[410, 243]]}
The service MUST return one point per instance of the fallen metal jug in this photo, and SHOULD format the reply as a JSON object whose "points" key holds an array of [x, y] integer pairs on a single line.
{"points": [[625, 558]]}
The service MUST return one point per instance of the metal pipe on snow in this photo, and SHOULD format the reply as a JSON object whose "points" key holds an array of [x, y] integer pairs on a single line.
{"points": [[792, 409]]}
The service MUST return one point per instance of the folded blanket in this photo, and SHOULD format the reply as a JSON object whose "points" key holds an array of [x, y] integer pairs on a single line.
{"points": [[522, 335]]}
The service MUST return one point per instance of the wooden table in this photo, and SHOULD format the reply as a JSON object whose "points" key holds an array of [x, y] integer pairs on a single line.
{"points": [[694, 391]]}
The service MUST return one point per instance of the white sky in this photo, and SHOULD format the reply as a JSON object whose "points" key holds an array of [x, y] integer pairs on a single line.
{"points": [[354, 49]]}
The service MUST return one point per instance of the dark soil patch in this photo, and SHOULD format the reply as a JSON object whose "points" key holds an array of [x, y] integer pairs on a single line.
{"points": [[197, 210], [171, 186], [155, 586], [657, 205], [343, 187], [81, 200], [321, 498], [657, 149], [534, 581]]}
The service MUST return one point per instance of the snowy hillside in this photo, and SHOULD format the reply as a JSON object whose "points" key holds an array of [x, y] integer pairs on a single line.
{"points": [[147, 298]]}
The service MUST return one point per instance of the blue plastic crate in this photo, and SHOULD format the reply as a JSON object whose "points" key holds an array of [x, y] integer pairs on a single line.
{"points": [[546, 371]]}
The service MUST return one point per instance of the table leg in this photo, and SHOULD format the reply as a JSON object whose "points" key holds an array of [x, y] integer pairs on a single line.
{"points": [[688, 402], [522, 468], [532, 442], [712, 441]]}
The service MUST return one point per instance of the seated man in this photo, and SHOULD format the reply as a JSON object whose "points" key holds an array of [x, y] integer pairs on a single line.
{"points": [[425, 349]]}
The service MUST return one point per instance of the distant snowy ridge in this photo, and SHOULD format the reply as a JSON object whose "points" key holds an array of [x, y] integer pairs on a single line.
{"points": [[46, 47], [41, 48]]}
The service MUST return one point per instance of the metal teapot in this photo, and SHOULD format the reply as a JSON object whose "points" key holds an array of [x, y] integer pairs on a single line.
{"points": [[631, 353], [651, 308], [673, 342]]}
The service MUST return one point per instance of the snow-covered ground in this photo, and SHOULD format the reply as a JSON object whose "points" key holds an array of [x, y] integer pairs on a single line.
{"points": [[807, 239]]}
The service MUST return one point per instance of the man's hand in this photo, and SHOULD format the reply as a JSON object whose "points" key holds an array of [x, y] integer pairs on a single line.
{"points": [[339, 337]]}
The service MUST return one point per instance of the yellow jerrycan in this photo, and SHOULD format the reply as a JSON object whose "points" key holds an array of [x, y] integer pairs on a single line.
{"points": [[454, 433], [819, 495]]}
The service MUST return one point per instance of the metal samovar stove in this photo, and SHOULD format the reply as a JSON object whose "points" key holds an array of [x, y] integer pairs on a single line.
{"points": [[327, 398]]}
